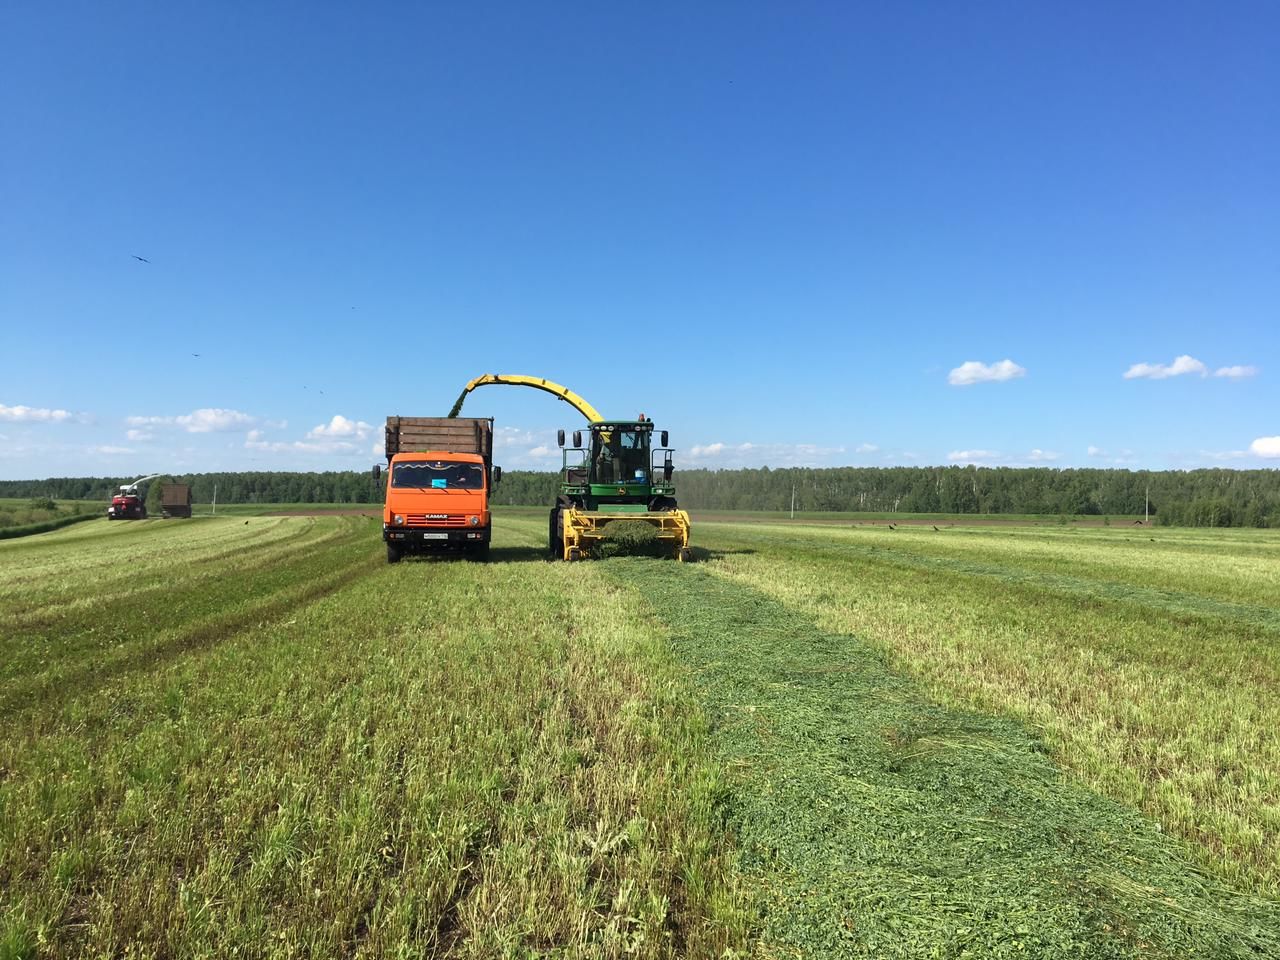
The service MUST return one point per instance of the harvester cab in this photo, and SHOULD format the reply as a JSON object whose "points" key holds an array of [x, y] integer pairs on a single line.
{"points": [[619, 465]]}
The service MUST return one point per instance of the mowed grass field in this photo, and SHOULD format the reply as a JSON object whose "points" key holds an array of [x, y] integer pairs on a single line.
{"points": [[250, 736]]}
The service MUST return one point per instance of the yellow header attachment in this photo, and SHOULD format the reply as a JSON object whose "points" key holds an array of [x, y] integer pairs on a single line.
{"points": [[515, 380]]}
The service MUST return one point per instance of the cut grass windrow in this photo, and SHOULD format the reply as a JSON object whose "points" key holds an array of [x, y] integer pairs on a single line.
{"points": [[874, 822], [1167, 708]]}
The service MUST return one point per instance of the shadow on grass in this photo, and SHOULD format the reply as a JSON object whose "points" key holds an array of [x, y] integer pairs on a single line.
{"points": [[524, 554], [702, 554]]}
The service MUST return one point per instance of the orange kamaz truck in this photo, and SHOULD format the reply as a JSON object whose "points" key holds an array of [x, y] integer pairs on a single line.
{"points": [[439, 476]]}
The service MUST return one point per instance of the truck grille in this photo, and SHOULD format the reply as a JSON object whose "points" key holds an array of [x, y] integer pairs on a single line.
{"points": [[422, 520]]}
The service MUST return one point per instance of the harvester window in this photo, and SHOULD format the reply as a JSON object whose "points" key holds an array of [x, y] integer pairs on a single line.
{"points": [[623, 457], [437, 475]]}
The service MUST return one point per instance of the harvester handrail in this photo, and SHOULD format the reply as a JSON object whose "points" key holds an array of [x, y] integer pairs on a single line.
{"points": [[538, 383]]}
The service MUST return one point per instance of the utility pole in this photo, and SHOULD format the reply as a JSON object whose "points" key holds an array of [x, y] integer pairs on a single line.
{"points": [[793, 499], [1148, 507], [215, 499]]}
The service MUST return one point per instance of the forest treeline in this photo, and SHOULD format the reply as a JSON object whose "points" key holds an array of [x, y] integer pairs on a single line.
{"points": [[1189, 498]]}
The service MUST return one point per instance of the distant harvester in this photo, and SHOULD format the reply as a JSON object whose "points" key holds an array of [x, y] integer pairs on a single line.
{"points": [[175, 500]]}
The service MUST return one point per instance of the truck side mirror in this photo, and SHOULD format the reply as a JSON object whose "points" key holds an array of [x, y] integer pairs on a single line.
{"points": [[665, 441], [497, 474], [560, 437], [577, 438], [377, 471]]}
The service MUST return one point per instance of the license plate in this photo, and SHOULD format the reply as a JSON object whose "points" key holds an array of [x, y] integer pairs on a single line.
{"points": [[435, 536]]}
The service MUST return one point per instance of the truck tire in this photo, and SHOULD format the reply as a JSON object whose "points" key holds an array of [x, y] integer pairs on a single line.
{"points": [[480, 553], [394, 553]]}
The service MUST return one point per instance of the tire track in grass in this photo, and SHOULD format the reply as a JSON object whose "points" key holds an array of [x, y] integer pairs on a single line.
{"points": [[149, 636], [877, 823]]}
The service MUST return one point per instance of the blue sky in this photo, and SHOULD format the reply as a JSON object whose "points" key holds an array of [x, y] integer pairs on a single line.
{"points": [[780, 230]]}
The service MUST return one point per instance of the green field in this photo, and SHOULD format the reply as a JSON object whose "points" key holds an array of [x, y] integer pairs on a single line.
{"points": [[249, 735], [19, 517]]}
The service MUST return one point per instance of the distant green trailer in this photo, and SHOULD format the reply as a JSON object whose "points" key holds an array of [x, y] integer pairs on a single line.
{"points": [[175, 500]]}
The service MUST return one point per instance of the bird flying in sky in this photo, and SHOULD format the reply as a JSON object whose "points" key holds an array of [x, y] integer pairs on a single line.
{"points": [[143, 259]]}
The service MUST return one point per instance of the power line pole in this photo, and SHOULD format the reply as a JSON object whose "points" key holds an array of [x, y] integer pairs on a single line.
{"points": [[1148, 509], [215, 499], [793, 499]]}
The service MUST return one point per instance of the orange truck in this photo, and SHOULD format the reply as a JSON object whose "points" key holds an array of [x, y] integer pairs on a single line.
{"points": [[440, 474]]}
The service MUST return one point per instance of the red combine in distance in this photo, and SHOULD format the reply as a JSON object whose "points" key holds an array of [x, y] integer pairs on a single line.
{"points": [[127, 504]]}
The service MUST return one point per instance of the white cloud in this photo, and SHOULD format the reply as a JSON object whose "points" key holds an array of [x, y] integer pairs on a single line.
{"points": [[1042, 456], [110, 450], [866, 448], [727, 455], [1236, 372], [340, 426], [1096, 451], [1159, 371], [974, 371], [23, 414], [139, 436], [973, 456], [341, 447], [540, 452], [213, 420], [1223, 454], [204, 420], [1268, 447], [519, 437]]}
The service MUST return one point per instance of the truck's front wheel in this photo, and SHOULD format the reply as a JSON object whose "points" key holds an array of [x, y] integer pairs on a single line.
{"points": [[394, 552]]}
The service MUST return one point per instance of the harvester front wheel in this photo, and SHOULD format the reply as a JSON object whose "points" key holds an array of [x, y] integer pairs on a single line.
{"points": [[555, 535], [686, 555], [573, 553]]}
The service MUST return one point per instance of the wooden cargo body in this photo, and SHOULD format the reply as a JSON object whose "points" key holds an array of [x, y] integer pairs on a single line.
{"points": [[175, 500], [454, 434]]}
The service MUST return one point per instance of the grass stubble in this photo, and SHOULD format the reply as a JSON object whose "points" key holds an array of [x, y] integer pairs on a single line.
{"points": [[435, 758]]}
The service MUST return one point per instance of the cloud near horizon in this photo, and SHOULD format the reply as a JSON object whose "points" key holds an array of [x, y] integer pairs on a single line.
{"points": [[974, 371], [25, 414], [1181, 366], [1239, 372], [730, 455], [204, 420], [1266, 447], [340, 426]]}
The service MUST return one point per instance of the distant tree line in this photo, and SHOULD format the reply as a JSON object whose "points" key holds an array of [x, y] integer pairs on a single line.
{"points": [[1190, 498]]}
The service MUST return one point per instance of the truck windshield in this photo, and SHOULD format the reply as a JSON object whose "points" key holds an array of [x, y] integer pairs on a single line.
{"points": [[437, 475]]}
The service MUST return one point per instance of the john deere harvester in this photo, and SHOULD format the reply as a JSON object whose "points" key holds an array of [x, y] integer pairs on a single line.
{"points": [[618, 479]]}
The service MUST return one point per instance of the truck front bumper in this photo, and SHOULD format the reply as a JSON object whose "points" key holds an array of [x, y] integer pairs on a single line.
{"points": [[427, 537]]}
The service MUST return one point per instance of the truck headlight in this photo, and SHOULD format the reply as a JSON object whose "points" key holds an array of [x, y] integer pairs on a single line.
{"points": [[398, 520], [475, 521]]}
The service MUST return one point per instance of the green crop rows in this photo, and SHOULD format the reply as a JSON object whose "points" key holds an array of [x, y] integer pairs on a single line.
{"points": [[250, 736]]}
